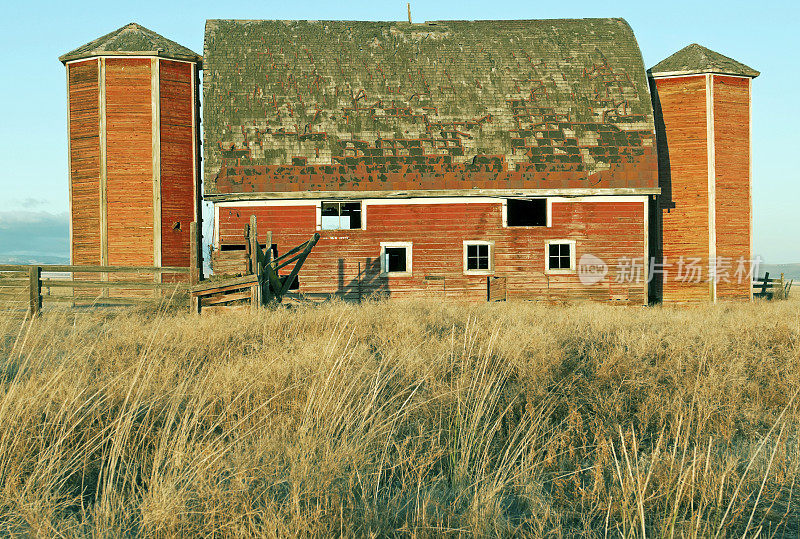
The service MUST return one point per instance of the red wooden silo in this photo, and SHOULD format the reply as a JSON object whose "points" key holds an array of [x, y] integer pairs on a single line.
{"points": [[702, 112], [133, 130]]}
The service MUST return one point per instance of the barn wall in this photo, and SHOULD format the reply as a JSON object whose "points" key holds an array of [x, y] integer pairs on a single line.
{"points": [[683, 180], [129, 161], [177, 161], [732, 167], [606, 229], [83, 79]]}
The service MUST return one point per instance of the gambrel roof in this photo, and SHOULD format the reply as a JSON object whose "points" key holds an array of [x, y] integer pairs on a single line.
{"points": [[381, 106], [132, 39], [695, 58]]}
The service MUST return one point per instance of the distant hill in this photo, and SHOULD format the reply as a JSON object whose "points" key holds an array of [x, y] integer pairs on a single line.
{"points": [[790, 271], [33, 258]]}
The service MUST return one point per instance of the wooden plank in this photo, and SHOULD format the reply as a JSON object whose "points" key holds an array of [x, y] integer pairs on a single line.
{"points": [[245, 280], [133, 285], [220, 289], [412, 193], [227, 298], [225, 308], [194, 261], [293, 275], [13, 282], [96, 269], [14, 273], [255, 263], [99, 301]]}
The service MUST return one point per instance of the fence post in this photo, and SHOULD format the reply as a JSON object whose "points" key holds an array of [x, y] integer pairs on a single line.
{"points": [[255, 292], [35, 288], [194, 266], [266, 291]]}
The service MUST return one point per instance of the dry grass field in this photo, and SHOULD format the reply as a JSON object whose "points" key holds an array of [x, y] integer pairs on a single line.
{"points": [[412, 418]]}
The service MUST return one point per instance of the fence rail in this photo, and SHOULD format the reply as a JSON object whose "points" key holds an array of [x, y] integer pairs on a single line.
{"points": [[765, 287]]}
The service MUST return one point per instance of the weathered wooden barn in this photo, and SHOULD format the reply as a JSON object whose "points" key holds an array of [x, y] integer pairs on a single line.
{"points": [[464, 159]]}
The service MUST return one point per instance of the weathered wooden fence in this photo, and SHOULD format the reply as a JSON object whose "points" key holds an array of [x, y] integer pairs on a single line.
{"points": [[34, 286], [31, 287], [764, 287], [261, 284]]}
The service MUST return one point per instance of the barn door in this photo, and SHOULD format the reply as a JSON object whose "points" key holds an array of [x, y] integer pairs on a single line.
{"points": [[495, 288]]}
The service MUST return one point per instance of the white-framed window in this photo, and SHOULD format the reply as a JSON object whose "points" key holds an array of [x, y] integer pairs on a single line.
{"points": [[526, 212], [396, 258], [559, 256], [478, 257], [340, 215]]}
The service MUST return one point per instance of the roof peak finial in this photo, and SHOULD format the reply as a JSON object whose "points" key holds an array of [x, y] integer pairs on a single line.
{"points": [[408, 5]]}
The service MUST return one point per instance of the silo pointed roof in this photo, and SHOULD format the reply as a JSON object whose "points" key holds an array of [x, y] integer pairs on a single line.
{"points": [[698, 59], [132, 39]]}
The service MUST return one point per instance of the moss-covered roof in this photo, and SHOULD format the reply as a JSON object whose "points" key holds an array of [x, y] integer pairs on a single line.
{"points": [[343, 105], [132, 39], [695, 58]]}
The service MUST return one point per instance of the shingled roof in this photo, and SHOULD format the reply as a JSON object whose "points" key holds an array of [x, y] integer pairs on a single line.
{"points": [[342, 105], [695, 58], [132, 39]]}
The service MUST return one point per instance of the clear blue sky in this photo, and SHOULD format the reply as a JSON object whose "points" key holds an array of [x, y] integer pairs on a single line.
{"points": [[763, 35]]}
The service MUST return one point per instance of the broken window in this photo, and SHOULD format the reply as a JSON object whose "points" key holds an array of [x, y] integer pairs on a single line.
{"points": [[340, 215], [560, 255], [478, 257], [396, 258], [526, 212]]}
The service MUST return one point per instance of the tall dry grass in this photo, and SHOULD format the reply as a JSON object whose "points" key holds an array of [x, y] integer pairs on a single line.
{"points": [[403, 418]]}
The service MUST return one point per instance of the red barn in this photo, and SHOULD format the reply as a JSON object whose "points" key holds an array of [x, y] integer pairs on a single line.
{"points": [[133, 119], [465, 159], [447, 158]]}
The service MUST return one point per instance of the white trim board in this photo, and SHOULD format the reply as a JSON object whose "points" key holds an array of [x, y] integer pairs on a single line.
{"points": [[128, 57], [712, 183]]}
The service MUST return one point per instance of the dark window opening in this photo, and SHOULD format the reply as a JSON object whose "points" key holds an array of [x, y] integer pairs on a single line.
{"points": [[395, 259], [526, 212], [341, 215], [231, 247], [274, 248], [559, 256], [477, 257]]}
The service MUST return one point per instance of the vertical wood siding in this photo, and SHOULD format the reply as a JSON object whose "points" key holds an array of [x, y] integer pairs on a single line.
{"points": [[177, 161], [129, 161], [685, 186], [609, 230], [84, 142], [732, 142]]}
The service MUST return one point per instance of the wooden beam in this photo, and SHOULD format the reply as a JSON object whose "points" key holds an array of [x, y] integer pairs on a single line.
{"points": [[133, 285], [194, 265], [293, 275], [97, 269], [207, 287], [255, 266], [358, 195]]}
